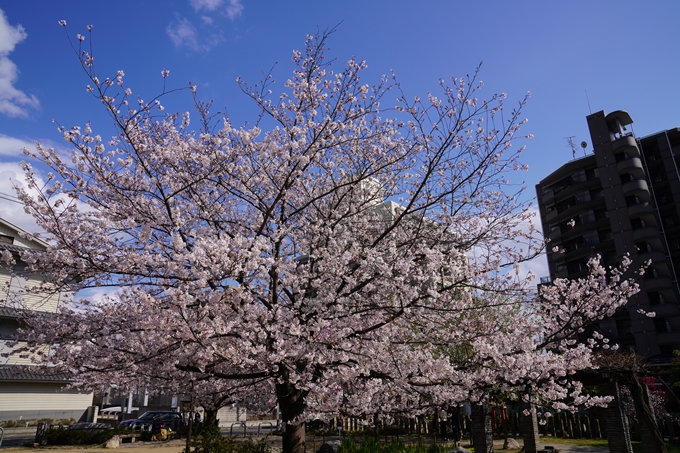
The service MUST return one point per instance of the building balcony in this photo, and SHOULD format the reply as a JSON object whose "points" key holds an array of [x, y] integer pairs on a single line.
{"points": [[574, 188], [656, 256], [664, 310], [548, 196], [628, 144], [631, 164], [639, 209], [644, 233], [658, 283], [666, 338], [633, 187]]}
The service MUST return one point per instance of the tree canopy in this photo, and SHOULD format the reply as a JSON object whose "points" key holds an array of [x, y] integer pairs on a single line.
{"points": [[350, 251]]}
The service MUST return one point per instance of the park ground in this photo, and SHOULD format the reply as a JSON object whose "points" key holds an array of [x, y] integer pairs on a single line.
{"points": [[177, 446]]}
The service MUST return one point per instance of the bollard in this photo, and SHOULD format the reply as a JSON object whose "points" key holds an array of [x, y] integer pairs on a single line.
{"points": [[41, 433]]}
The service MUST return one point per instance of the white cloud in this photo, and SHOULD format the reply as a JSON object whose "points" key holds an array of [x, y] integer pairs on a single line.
{"points": [[208, 5], [234, 9], [12, 147], [96, 296], [13, 102], [10, 208], [537, 267], [12, 175], [183, 34]]}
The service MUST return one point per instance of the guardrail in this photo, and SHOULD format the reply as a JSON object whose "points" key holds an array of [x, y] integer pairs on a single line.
{"points": [[231, 428], [271, 427]]}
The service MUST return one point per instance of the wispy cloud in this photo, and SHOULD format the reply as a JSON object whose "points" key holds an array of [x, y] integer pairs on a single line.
{"points": [[206, 5], [12, 147], [13, 102], [12, 175], [234, 9], [11, 209], [183, 34]]}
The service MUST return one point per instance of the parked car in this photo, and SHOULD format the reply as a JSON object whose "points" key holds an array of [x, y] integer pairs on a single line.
{"points": [[169, 419]]}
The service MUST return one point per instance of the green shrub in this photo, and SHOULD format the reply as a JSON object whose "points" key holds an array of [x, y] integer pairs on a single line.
{"points": [[62, 421], [198, 429], [212, 443], [372, 444], [57, 436]]}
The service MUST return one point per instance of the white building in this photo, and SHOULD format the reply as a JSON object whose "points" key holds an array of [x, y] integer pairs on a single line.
{"points": [[26, 395]]}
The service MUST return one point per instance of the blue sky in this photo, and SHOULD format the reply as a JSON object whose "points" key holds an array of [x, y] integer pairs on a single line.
{"points": [[624, 54]]}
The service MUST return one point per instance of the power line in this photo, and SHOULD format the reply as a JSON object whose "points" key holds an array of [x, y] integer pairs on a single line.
{"points": [[8, 197]]}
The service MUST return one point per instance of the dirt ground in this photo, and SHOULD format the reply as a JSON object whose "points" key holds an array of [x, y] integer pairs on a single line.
{"points": [[177, 446], [171, 446]]}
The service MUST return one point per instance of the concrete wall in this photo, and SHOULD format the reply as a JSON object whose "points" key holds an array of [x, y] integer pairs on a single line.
{"points": [[41, 400]]}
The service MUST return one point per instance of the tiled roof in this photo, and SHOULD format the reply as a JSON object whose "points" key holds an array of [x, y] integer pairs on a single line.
{"points": [[9, 312], [25, 373], [13, 248], [16, 313]]}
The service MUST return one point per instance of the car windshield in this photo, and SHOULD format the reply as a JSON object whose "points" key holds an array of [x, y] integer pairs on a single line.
{"points": [[149, 416]]}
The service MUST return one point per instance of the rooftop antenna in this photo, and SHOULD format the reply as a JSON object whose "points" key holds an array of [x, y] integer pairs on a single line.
{"points": [[584, 145], [572, 145], [587, 99]]}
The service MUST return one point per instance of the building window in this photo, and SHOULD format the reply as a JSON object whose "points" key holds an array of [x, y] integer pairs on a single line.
{"points": [[605, 235], [656, 298], [588, 217], [583, 197], [662, 325], [591, 238], [579, 176], [4, 239], [632, 200]]}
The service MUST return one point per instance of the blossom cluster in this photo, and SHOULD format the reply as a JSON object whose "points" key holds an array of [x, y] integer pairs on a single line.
{"points": [[354, 262]]}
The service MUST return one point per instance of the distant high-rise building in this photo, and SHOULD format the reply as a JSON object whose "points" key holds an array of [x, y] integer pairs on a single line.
{"points": [[622, 199]]}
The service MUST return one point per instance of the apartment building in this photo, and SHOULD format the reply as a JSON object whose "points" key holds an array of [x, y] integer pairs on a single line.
{"points": [[27, 395], [621, 199]]}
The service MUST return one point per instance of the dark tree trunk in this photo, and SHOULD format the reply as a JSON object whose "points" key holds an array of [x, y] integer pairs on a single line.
{"points": [[529, 428], [652, 440], [291, 404], [482, 432], [210, 417], [616, 423]]}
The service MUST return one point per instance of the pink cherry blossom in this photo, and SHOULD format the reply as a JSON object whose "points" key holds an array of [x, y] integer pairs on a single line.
{"points": [[339, 259]]}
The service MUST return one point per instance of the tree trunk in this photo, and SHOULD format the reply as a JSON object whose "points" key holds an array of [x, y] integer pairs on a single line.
{"points": [[210, 417], [482, 433], [652, 440], [529, 427], [291, 404], [616, 423]]}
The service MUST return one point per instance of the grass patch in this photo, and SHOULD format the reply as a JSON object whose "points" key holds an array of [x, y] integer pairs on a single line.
{"points": [[637, 445], [579, 442]]}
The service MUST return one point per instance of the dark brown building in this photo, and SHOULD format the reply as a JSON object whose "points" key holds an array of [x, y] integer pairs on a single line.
{"points": [[622, 199]]}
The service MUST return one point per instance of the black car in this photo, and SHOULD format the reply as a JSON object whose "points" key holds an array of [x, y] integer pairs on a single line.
{"points": [[169, 419]]}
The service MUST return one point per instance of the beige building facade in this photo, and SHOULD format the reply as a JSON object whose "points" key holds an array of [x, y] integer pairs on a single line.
{"points": [[26, 395]]}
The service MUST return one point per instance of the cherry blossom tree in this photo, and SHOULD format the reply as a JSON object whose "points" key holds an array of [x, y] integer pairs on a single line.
{"points": [[352, 251]]}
